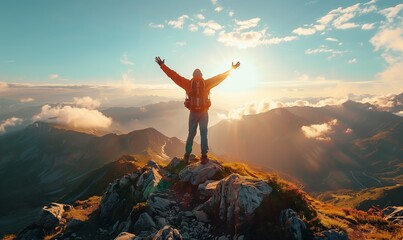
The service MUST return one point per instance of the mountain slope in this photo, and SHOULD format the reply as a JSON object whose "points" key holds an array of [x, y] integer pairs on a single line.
{"points": [[360, 148], [211, 201], [42, 163]]}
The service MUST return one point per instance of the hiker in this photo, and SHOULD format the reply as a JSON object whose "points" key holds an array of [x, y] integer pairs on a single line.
{"points": [[198, 102]]}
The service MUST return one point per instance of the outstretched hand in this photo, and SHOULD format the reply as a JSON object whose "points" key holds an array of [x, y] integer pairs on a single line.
{"points": [[235, 66], [159, 61]]}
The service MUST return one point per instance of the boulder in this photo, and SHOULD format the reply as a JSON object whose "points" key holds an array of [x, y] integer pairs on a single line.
{"points": [[236, 198], [208, 187], [292, 224], [129, 190], [125, 236], [197, 173], [145, 223], [158, 203], [52, 216], [149, 180], [167, 233], [394, 214]]}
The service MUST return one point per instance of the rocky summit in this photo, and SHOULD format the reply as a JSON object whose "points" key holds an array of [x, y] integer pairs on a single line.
{"points": [[194, 201]]}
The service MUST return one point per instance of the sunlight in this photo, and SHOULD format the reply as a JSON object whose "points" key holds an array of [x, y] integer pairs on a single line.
{"points": [[245, 77]]}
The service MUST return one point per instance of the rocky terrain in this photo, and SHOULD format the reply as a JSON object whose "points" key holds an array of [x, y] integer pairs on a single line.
{"points": [[212, 201]]}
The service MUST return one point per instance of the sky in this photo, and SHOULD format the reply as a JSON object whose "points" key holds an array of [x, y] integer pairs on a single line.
{"points": [[57, 50]]}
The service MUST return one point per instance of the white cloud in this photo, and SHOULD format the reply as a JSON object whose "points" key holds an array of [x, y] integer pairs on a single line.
{"points": [[242, 40], [251, 23], [218, 9], [54, 76], [391, 12], [179, 22], [210, 27], [200, 16], [87, 102], [211, 24], [277, 40], [342, 21], [193, 27], [389, 39], [209, 32], [214, 2], [25, 100], [125, 60], [369, 9], [324, 49], [352, 61], [393, 74], [331, 39], [304, 31], [370, 2], [76, 118], [155, 25], [367, 26], [181, 43], [231, 13], [383, 102], [399, 113], [319, 131], [10, 122]]}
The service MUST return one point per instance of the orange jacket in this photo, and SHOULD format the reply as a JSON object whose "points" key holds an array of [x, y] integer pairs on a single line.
{"points": [[185, 83]]}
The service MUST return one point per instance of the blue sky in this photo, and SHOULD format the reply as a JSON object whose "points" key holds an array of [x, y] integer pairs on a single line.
{"points": [[286, 48]]}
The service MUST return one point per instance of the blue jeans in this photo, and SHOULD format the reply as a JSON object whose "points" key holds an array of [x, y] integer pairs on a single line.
{"points": [[201, 119]]}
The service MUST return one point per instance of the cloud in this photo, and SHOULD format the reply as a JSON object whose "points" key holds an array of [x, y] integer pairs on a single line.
{"points": [[389, 39], [54, 76], [324, 49], [155, 25], [331, 39], [231, 13], [10, 122], [25, 100], [382, 102], [218, 9], [257, 107], [391, 12], [251, 23], [342, 21], [86, 102], [200, 16], [242, 40], [352, 61], [179, 22], [193, 28], [214, 2], [304, 31], [367, 26], [210, 27], [319, 131], [125, 60], [399, 113], [74, 117]]}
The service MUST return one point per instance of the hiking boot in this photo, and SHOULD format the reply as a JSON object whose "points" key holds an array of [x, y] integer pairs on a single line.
{"points": [[204, 159], [186, 158]]}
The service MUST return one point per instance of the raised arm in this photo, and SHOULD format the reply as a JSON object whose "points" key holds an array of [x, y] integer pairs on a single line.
{"points": [[214, 81], [178, 79]]}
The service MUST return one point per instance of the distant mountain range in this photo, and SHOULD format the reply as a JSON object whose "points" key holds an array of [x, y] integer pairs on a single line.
{"points": [[360, 147], [43, 163]]}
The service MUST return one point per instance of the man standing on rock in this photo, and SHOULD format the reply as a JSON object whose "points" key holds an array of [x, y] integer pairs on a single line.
{"points": [[197, 101]]}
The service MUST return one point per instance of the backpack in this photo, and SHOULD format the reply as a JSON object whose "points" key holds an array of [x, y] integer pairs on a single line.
{"points": [[197, 99]]}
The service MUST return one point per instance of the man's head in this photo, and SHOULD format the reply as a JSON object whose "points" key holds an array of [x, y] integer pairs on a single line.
{"points": [[197, 73]]}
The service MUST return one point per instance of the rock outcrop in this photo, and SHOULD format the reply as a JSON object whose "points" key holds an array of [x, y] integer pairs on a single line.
{"points": [[291, 224], [197, 173], [332, 235], [236, 197], [49, 221]]}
